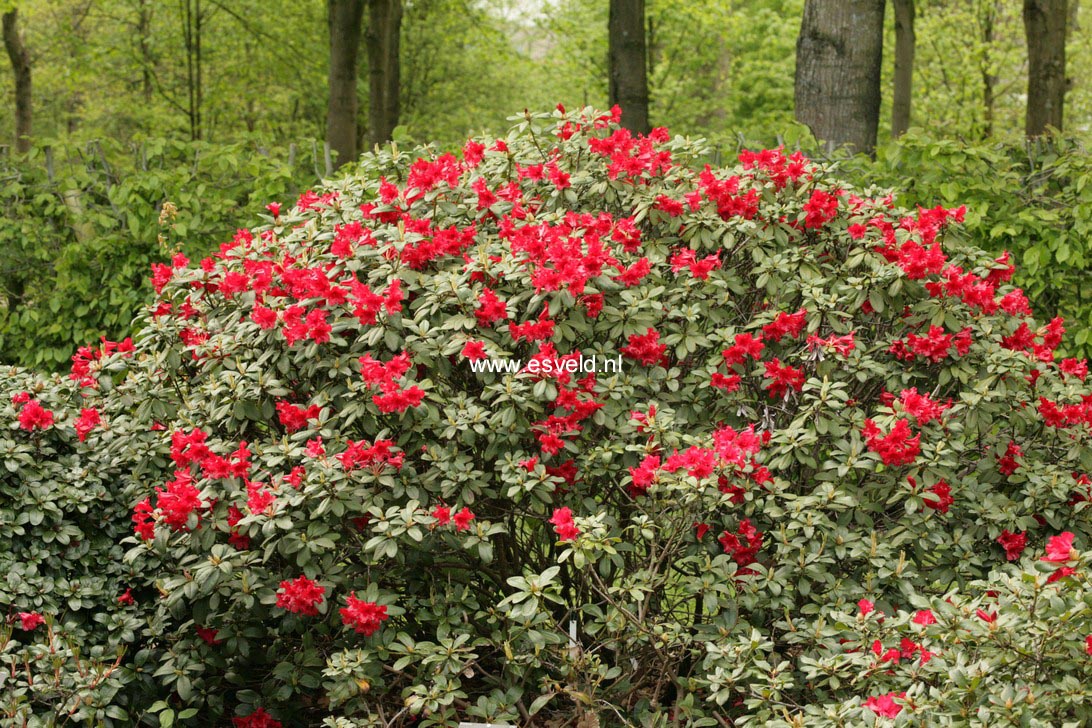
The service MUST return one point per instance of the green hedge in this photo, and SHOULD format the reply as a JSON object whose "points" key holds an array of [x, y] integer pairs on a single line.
{"points": [[80, 225]]}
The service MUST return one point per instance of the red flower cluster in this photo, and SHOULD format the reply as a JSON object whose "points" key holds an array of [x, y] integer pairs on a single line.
{"points": [[746, 345], [943, 500], [394, 398], [633, 158], [785, 324], [564, 527], [1060, 548], [934, 346], [885, 705], [88, 420], [258, 719], [301, 595], [377, 456], [896, 447], [85, 356], [34, 417], [743, 545], [921, 407], [1013, 543], [364, 617], [700, 269], [783, 379], [29, 621], [294, 417], [646, 348], [820, 209], [490, 308]]}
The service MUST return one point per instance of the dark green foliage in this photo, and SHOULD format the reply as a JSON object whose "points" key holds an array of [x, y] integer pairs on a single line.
{"points": [[80, 225]]}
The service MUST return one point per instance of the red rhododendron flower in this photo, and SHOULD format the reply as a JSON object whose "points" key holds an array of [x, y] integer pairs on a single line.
{"points": [[30, 620], [207, 634], [35, 417], [1060, 548], [644, 475], [865, 607], [698, 462], [144, 520], [442, 514], [840, 345], [490, 308], [359, 454], [178, 500], [88, 420], [1007, 464], [399, 400], [988, 617], [126, 598], [462, 519], [631, 275], [474, 350], [943, 499], [562, 521], [727, 382], [1088, 644], [786, 324], [820, 209], [1013, 543], [646, 348], [258, 719], [266, 318], [301, 596], [1074, 368], [783, 378], [746, 345], [743, 545], [921, 407], [364, 617], [885, 705], [294, 417], [924, 617], [896, 447]]}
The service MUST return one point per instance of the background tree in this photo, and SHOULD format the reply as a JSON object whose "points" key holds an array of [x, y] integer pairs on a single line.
{"points": [[838, 56], [629, 63], [905, 43], [20, 66], [383, 37], [1045, 26], [344, 18]]}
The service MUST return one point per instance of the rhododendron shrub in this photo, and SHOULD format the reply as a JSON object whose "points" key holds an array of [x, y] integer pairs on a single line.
{"points": [[821, 403], [60, 557]]}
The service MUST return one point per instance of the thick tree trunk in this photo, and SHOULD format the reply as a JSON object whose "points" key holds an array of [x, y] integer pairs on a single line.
{"points": [[384, 68], [904, 67], [1044, 25], [838, 58], [343, 20], [20, 66], [628, 59]]}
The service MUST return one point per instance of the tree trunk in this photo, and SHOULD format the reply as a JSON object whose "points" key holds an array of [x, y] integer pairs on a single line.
{"points": [[384, 68], [144, 38], [989, 78], [1044, 25], [343, 20], [838, 58], [20, 66], [904, 67], [628, 57]]}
